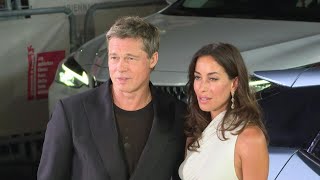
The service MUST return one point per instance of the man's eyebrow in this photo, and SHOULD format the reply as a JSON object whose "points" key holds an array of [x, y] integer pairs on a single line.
{"points": [[112, 54], [129, 54]]}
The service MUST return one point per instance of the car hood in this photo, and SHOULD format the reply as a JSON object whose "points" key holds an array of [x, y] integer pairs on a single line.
{"points": [[278, 157], [264, 44], [296, 77]]}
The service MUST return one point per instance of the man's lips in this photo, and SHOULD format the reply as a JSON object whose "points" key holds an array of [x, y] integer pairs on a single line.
{"points": [[122, 79]]}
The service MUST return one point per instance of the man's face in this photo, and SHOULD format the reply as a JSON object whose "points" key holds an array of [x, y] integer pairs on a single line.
{"points": [[129, 65]]}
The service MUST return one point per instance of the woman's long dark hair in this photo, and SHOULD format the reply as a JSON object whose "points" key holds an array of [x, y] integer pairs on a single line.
{"points": [[246, 111]]}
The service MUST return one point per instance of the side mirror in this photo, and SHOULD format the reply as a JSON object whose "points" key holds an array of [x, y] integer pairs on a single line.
{"points": [[171, 1]]}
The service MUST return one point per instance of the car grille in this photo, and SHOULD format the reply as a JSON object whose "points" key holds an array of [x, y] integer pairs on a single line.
{"points": [[177, 91]]}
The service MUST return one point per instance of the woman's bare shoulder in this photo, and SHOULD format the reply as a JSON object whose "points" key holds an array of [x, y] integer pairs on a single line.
{"points": [[252, 157], [251, 139]]}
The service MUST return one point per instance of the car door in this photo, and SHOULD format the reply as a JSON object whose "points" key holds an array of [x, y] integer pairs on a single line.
{"points": [[301, 166]]}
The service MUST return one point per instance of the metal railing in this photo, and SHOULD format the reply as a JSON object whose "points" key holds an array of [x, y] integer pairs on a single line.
{"points": [[10, 5], [22, 147], [89, 19], [53, 10]]}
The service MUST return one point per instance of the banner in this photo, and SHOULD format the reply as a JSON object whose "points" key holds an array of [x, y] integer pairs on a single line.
{"points": [[41, 72], [30, 50]]}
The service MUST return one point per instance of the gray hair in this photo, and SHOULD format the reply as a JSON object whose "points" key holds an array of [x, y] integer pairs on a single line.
{"points": [[136, 27]]}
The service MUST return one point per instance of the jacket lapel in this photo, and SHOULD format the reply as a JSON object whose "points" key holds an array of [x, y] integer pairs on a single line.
{"points": [[99, 110], [158, 138]]}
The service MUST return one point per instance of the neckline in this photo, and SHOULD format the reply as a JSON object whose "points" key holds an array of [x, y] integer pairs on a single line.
{"points": [[215, 122], [148, 106]]}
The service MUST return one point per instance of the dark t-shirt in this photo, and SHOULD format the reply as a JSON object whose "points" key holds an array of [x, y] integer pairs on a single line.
{"points": [[134, 128]]}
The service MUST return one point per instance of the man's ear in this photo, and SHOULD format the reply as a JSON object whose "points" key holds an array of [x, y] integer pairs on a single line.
{"points": [[154, 60]]}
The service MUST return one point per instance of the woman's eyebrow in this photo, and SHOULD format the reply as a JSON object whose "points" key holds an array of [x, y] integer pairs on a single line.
{"points": [[210, 73]]}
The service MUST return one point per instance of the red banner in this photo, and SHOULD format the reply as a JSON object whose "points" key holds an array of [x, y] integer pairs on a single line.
{"points": [[41, 72]]}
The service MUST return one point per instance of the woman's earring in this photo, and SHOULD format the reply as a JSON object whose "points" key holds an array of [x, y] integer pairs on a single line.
{"points": [[232, 100]]}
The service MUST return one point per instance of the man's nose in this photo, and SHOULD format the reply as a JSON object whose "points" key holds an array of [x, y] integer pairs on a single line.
{"points": [[122, 65]]}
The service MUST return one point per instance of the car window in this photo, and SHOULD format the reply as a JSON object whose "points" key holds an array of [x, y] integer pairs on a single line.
{"points": [[314, 148], [253, 9], [202, 3], [291, 115]]}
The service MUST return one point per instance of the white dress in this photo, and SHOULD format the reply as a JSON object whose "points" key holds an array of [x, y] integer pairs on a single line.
{"points": [[214, 160]]}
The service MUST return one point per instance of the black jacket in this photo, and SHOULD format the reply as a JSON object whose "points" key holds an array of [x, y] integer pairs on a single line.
{"points": [[82, 141]]}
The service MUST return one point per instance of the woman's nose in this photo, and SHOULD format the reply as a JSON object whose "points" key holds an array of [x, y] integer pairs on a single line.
{"points": [[204, 85]]}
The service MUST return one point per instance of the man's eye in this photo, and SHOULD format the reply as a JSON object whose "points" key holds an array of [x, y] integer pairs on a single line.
{"points": [[131, 58]]}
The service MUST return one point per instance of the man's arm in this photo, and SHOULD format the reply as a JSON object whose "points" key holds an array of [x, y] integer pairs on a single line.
{"points": [[56, 155]]}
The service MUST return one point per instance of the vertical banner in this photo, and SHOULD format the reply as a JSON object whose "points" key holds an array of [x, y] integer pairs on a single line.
{"points": [[41, 72], [31, 62], [30, 50]]}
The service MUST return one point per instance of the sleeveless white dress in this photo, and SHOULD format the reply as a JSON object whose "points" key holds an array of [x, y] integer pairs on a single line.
{"points": [[214, 160]]}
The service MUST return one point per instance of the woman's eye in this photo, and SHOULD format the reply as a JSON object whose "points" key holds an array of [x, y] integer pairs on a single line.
{"points": [[213, 79], [196, 77]]}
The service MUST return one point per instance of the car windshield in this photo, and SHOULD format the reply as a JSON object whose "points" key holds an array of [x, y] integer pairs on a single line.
{"points": [[253, 9], [298, 123]]}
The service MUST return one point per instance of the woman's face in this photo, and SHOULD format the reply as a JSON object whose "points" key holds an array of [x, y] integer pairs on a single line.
{"points": [[212, 85]]}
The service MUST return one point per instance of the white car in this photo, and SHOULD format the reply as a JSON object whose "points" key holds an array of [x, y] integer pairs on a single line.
{"points": [[280, 38], [271, 35], [291, 116]]}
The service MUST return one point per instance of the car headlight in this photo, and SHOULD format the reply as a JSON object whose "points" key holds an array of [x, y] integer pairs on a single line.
{"points": [[72, 74], [259, 84]]}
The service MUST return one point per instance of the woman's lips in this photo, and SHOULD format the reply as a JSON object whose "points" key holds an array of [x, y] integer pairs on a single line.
{"points": [[203, 100]]}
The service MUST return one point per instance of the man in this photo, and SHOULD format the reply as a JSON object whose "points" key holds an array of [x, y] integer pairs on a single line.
{"points": [[123, 129]]}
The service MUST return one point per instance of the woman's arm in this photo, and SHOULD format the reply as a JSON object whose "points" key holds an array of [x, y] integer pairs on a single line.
{"points": [[251, 155]]}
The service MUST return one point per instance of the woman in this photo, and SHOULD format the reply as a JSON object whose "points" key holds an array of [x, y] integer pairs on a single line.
{"points": [[226, 137]]}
